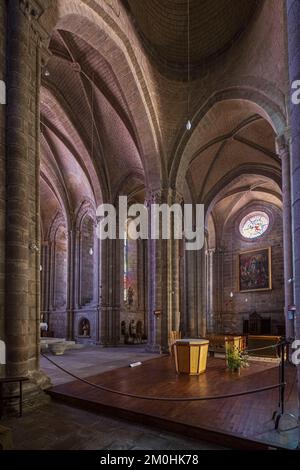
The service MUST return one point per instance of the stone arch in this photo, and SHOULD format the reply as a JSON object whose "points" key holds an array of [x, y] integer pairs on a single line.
{"points": [[84, 327], [259, 102], [58, 238], [86, 20], [87, 256], [260, 170]]}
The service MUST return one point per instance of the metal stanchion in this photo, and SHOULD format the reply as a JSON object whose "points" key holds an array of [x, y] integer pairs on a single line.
{"points": [[280, 412]]}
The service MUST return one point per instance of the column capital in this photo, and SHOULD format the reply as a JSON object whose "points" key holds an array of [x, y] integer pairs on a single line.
{"points": [[33, 10], [283, 144], [163, 195], [153, 197]]}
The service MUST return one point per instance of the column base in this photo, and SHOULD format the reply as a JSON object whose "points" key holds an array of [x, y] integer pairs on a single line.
{"points": [[34, 393], [153, 348]]}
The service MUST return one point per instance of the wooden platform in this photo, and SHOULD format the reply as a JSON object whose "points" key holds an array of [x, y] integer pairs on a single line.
{"points": [[243, 423]]}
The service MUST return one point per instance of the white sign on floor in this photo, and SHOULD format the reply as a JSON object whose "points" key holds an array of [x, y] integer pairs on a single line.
{"points": [[2, 353], [2, 92]]}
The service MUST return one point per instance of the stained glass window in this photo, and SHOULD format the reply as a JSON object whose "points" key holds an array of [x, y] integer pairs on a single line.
{"points": [[254, 224]]}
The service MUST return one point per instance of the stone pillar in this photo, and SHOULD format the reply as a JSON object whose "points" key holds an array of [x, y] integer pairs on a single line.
{"points": [[154, 250], [163, 279], [293, 29], [201, 293], [210, 288], [71, 285], [109, 324], [17, 190], [22, 306], [191, 310], [2, 170], [284, 154], [141, 279]]}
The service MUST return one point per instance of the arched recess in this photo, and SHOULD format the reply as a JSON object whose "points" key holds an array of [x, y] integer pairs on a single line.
{"points": [[133, 315], [221, 188], [86, 272], [229, 158], [111, 35], [247, 190], [256, 103], [57, 274], [98, 105]]}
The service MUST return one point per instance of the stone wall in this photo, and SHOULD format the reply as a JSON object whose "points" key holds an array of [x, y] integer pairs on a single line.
{"points": [[87, 262], [268, 303], [133, 305]]}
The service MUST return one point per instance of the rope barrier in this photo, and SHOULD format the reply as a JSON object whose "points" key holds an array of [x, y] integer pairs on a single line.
{"points": [[170, 399], [273, 346]]}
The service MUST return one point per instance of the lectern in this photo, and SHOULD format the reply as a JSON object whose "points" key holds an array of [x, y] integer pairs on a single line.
{"points": [[191, 356]]}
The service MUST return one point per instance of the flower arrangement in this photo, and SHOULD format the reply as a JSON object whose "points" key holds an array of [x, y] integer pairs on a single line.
{"points": [[236, 359]]}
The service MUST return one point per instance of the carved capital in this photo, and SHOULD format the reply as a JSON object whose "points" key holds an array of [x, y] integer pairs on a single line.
{"points": [[153, 197], [33, 10], [283, 145], [164, 195]]}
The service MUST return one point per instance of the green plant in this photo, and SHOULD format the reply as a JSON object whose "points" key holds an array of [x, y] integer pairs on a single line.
{"points": [[236, 358]]}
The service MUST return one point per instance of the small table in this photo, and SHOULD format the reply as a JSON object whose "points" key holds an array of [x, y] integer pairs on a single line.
{"points": [[191, 356], [9, 380]]}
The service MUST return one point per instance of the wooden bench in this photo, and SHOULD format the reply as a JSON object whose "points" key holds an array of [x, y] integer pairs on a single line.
{"points": [[262, 341], [217, 343], [10, 380]]}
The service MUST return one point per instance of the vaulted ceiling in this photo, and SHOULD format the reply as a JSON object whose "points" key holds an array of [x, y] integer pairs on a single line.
{"points": [[88, 140], [214, 26]]}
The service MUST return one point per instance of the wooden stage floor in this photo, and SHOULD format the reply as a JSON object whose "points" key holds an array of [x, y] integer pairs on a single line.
{"points": [[243, 422]]}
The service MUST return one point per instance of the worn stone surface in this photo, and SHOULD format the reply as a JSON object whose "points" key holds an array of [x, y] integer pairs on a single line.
{"points": [[60, 427]]}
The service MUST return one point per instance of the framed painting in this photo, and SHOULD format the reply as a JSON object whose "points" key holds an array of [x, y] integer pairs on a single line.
{"points": [[255, 270]]}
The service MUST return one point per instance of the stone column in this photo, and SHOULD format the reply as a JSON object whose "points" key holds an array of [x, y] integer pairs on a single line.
{"points": [[191, 310], [284, 154], [2, 171], [163, 279], [154, 250], [293, 29], [17, 190], [109, 324], [22, 309], [174, 265], [210, 288], [201, 293], [71, 285]]}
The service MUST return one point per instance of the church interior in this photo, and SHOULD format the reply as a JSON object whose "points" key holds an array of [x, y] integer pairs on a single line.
{"points": [[164, 102]]}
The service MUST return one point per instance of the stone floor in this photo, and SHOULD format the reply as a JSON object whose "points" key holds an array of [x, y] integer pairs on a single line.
{"points": [[60, 427], [92, 360]]}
